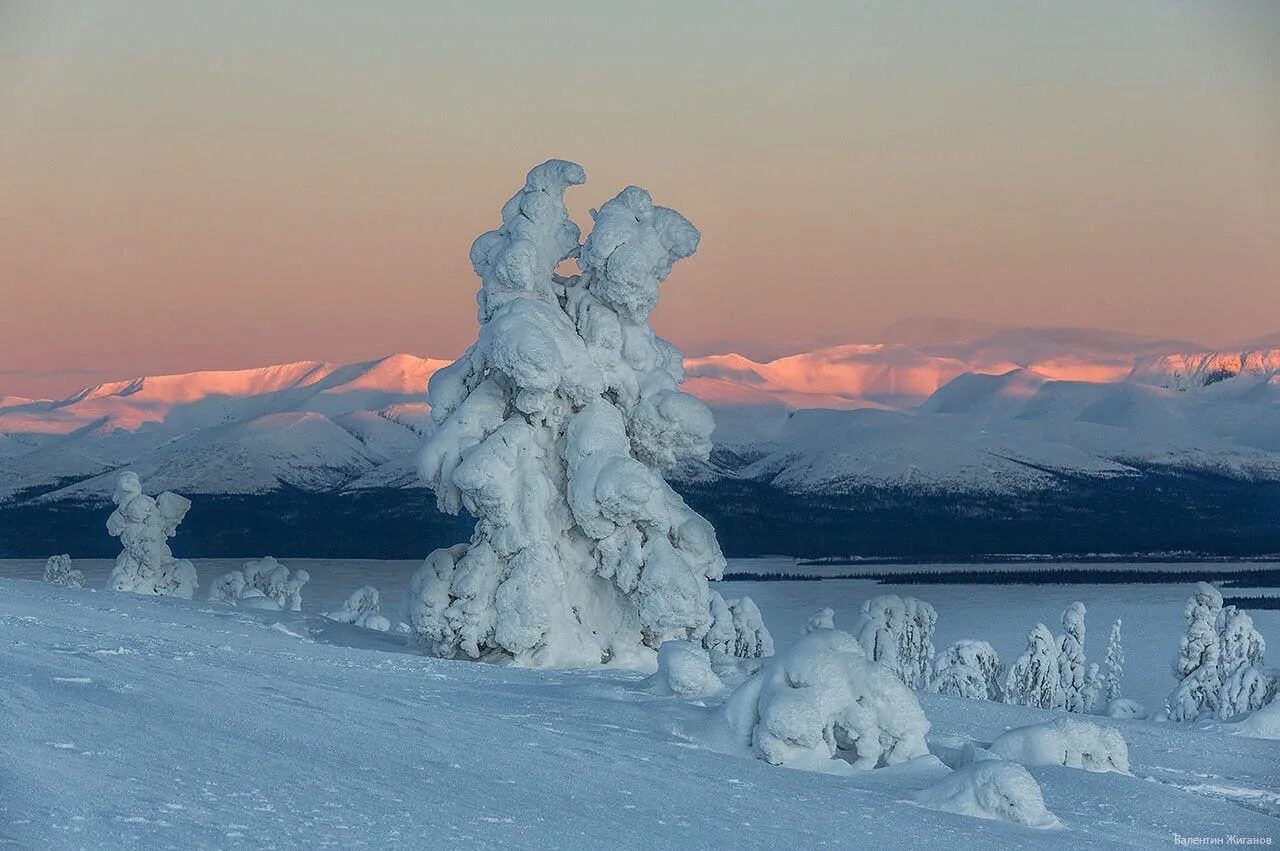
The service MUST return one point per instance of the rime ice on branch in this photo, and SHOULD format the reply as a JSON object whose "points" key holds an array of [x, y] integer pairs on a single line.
{"points": [[143, 524], [553, 430]]}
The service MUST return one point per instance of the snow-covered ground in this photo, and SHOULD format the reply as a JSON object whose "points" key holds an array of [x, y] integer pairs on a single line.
{"points": [[144, 722]]}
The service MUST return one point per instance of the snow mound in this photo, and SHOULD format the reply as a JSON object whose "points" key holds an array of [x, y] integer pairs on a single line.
{"points": [[684, 669], [824, 698], [58, 571], [1065, 741], [991, 789], [1125, 709], [1262, 723]]}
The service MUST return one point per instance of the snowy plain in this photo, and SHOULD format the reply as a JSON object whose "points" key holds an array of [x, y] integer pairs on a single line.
{"points": [[145, 722]]}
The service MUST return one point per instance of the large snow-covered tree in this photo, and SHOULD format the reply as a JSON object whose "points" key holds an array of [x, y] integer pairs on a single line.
{"points": [[969, 669], [553, 430], [897, 632], [1196, 666], [1034, 678], [144, 524], [1072, 669]]}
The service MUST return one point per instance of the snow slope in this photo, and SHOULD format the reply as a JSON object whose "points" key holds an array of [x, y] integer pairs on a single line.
{"points": [[143, 722]]}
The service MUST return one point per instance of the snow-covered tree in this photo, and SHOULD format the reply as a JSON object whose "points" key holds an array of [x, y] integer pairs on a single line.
{"points": [[143, 524], [264, 584], [824, 618], [362, 609], [897, 632], [1071, 662], [553, 430], [58, 571], [1034, 679], [823, 698], [1114, 665], [1245, 683], [1196, 666], [969, 669]]}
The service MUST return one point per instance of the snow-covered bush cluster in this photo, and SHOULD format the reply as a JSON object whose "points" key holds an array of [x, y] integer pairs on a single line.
{"points": [[361, 609], [824, 698], [553, 430], [737, 629], [897, 632], [991, 789], [144, 524], [968, 669], [1219, 666], [1065, 741], [264, 584], [58, 571], [1052, 673]]}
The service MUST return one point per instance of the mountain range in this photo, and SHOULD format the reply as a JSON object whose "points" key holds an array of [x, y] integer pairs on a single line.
{"points": [[939, 441]]}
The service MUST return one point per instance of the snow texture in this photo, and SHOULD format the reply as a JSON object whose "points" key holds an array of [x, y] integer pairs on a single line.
{"points": [[58, 571], [1065, 741], [897, 632], [991, 789], [553, 430], [1034, 678], [143, 524], [362, 609], [969, 669], [264, 584], [824, 698], [684, 669]]}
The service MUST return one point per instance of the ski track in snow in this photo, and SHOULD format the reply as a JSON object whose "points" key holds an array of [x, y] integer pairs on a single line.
{"points": [[159, 723]]}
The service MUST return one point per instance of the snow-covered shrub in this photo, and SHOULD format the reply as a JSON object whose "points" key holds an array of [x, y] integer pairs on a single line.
{"points": [[264, 584], [1246, 685], [824, 618], [1115, 665], [968, 669], [553, 430], [1124, 708], [1065, 741], [737, 629], [1033, 679], [58, 571], [897, 632], [361, 609], [684, 669], [143, 524], [991, 789], [824, 698]]}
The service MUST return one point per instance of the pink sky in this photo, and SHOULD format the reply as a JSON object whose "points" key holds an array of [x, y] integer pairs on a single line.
{"points": [[190, 186]]}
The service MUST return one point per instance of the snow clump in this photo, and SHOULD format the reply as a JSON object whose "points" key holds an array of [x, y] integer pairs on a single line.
{"points": [[991, 789], [684, 669], [1065, 741]]}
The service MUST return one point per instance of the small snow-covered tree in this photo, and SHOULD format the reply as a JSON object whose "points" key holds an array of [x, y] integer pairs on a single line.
{"points": [[1072, 669], [1034, 679], [58, 571], [897, 632], [143, 524], [553, 430], [362, 609], [824, 618], [1196, 666], [1114, 665], [823, 698], [969, 669], [1245, 683]]}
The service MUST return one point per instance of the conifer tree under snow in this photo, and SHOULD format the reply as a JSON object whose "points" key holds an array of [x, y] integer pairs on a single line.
{"points": [[1111, 686], [1034, 679], [144, 524], [969, 669], [553, 430], [897, 632], [1196, 666]]}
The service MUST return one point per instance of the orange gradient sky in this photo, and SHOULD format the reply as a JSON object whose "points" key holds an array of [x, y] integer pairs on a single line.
{"points": [[221, 185]]}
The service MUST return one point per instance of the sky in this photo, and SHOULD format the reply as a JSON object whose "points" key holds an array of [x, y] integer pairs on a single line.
{"points": [[229, 184]]}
